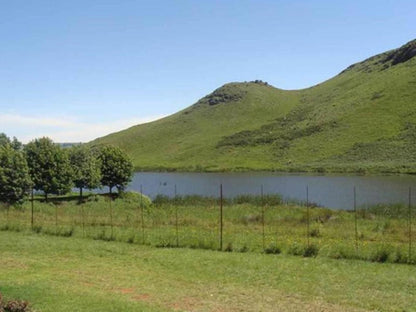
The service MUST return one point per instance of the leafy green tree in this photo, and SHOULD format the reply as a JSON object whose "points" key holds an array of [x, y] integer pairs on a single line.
{"points": [[49, 167], [15, 144], [14, 174], [86, 168], [116, 168], [4, 139]]}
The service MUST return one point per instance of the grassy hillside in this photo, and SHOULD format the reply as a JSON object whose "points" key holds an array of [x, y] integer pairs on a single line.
{"points": [[364, 119]]}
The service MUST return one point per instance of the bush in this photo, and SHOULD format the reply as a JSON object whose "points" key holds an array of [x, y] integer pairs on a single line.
{"points": [[243, 249], [314, 233], [343, 252], [135, 197], [311, 251], [272, 249], [104, 237], [296, 249], [37, 228], [381, 254]]}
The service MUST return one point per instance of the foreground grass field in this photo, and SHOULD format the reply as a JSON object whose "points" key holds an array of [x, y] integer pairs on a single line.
{"points": [[74, 274]]}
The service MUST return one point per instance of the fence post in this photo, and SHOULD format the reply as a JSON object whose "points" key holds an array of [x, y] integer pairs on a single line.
{"points": [[83, 220], [410, 225], [307, 214], [355, 221], [111, 215], [56, 219], [31, 219], [262, 216], [176, 219], [221, 216], [142, 214], [7, 214]]}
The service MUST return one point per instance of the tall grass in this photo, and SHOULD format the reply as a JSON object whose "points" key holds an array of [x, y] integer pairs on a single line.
{"points": [[193, 222]]}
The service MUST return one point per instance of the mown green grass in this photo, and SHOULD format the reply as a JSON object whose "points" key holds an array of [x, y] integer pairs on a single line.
{"points": [[248, 225], [362, 120], [74, 274]]}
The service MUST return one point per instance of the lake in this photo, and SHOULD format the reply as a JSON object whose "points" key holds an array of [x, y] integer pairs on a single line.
{"points": [[333, 191]]}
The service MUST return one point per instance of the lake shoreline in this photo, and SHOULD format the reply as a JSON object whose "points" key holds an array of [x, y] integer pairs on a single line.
{"points": [[327, 190], [298, 170]]}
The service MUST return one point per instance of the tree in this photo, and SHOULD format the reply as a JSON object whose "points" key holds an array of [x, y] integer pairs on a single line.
{"points": [[86, 168], [14, 174], [15, 144], [49, 167], [116, 168], [4, 139]]}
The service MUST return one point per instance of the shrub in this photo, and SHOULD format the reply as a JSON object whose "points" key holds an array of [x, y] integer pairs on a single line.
{"points": [[314, 233], [135, 197], [104, 237], [296, 249], [381, 254], [272, 249], [311, 251], [229, 247], [37, 229], [400, 257], [344, 252], [130, 239], [243, 249]]}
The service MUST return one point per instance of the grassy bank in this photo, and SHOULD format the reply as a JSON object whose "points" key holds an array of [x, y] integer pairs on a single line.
{"points": [[249, 225], [73, 274]]}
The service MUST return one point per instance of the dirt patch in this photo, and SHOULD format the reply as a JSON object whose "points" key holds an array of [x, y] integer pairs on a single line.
{"points": [[141, 297], [127, 290]]}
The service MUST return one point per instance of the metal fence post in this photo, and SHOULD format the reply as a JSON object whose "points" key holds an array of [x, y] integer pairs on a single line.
{"points": [[111, 215], [262, 216], [307, 214], [142, 213], [410, 225], [31, 219], [176, 219], [221, 216], [355, 221]]}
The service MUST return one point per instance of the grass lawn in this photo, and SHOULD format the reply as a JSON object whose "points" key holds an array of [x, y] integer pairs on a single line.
{"points": [[75, 274]]}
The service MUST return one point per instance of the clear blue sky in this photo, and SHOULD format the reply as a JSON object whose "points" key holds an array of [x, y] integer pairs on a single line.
{"points": [[75, 70]]}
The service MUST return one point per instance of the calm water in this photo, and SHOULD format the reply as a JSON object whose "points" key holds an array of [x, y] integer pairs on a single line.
{"points": [[333, 191]]}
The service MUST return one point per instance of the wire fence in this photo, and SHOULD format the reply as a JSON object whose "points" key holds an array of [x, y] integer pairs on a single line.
{"points": [[261, 223]]}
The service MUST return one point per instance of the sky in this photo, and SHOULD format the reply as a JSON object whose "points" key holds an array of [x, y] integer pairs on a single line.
{"points": [[80, 69]]}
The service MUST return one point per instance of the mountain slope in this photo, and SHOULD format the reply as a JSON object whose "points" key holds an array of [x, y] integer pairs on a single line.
{"points": [[364, 119]]}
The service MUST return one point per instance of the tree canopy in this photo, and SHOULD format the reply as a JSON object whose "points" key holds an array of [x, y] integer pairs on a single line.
{"points": [[116, 168], [49, 167], [14, 173], [86, 168]]}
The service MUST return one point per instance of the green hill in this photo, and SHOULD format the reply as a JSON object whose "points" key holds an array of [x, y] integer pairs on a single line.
{"points": [[362, 120]]}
